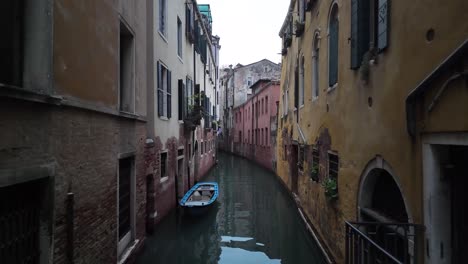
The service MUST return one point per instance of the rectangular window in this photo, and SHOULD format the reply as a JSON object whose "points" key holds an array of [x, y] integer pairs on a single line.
{"points": [[266, 104], [179, 37], [315, 169], [333, 165], [266, 137], [182, 100], [261, 136], [189, 95], [202, 148], [126, 69], [126, 200], [11, 46], [300, 163], [163, 165], [301, 81], [249, 81], [164, 91], [162, 17], [189, 23]]}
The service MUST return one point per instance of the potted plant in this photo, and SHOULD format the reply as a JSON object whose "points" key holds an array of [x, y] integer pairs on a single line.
{"points": [[314, 173], [331, 188]]}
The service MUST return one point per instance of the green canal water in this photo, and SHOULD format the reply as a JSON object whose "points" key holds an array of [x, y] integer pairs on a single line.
{"points": [[254, 221]]}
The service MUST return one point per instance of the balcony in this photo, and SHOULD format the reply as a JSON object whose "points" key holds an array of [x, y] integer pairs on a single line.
{"points": [[376, 242]]}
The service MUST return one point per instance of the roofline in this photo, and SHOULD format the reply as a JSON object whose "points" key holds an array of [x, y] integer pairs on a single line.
{"points": [[255, 63], [272, 82], [288, 15]]}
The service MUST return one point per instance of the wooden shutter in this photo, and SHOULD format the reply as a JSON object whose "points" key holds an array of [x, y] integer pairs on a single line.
{"points": [[169, 95], [180, 97], [160, 91], [296, 88], [333, 59], [383, 24], [355, 62]]}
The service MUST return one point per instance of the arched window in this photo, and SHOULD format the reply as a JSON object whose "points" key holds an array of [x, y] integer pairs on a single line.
{"points": [[333, 29], [315, 66]]}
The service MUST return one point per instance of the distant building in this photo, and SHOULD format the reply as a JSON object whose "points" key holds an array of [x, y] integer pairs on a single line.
{"points": [[254, 128], [373, 127], [236, 83]]}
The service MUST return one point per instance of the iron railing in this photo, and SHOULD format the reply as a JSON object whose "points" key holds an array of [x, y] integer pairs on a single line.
{"points": [[375, 242]]}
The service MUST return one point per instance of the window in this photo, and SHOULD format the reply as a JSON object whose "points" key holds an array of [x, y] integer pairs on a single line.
{"points": [[266, 104], [248, 136], [300, 163], [189, 94], [261, 136], [162, 17], [164, 91], [315, 66], [333, 29], [249, 81], [266, 137], [369, 28], [202, 148], [333, 165], [126, 201], [301, 81], [12, 21], [126, 69], [240, 136], [182, 100], [315, 168], [189, 23], [261, 108], [301, 10], [163, 165], [179, 37]]}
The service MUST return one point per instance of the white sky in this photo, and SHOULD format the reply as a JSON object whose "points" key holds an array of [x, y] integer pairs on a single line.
{"points": [[248, 29]]}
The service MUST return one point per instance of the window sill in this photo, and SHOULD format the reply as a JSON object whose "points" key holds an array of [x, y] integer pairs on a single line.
{"points": [[164, 118], [162, 36], [314, 99], [332, 88], [180, 59]]}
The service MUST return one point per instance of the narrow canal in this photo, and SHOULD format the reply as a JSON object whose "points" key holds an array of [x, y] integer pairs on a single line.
{"points": [[254, 221]]}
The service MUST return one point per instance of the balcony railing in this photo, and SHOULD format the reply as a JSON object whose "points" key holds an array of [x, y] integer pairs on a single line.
{"points": [[375, 242]]}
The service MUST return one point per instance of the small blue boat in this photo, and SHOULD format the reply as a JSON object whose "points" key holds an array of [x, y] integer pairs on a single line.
{"points": [[200, 197]]}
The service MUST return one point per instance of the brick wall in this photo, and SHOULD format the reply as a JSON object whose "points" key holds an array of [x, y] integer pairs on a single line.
{"points": [[83, 146]]}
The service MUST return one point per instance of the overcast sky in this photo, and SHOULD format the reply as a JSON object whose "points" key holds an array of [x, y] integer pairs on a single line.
{"points": [[248, 29]]}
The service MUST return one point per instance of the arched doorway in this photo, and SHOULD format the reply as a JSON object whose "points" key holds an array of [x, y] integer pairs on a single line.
{"points": [[380, 198], [383, 218]]}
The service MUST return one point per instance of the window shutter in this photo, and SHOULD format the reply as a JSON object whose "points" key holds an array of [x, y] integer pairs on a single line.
{"points": [[355, 63], [333, 60], [383, 23], [296, 88], [160, 91], [169, 95], [180, 97]]}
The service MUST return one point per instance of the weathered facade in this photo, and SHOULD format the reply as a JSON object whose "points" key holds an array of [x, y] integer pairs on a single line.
{"points": [[179, 149], [373, 110], [255, 120], [73, 101], [236, 83]]}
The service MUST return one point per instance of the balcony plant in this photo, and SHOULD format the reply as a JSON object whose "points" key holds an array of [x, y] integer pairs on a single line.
{"points": [[314, 173], [299, 28], [331, 188]]}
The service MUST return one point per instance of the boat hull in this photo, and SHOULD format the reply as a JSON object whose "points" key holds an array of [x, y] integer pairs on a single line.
{"points": [[199, 208]]}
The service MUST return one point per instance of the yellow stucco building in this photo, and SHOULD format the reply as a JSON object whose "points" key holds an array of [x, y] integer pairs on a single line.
{"points": [[373, 124]]}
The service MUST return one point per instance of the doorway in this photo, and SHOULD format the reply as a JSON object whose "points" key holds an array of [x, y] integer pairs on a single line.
{"points": [[294, 168], [445, 195]]}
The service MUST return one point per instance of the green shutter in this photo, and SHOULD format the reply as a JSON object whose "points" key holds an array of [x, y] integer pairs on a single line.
{"points": [[383, 24], [360, 31], [159, 89], [333, 60], [169, 95]]}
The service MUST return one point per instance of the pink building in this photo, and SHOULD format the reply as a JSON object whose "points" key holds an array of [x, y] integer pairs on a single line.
{"points": [[255, 124]]}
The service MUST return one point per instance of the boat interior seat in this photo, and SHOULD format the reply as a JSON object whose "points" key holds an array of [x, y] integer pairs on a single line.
{"points": [[206, 193]]}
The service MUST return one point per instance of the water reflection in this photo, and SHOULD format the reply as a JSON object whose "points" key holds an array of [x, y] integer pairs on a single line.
{"points": [[254, 221]]}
